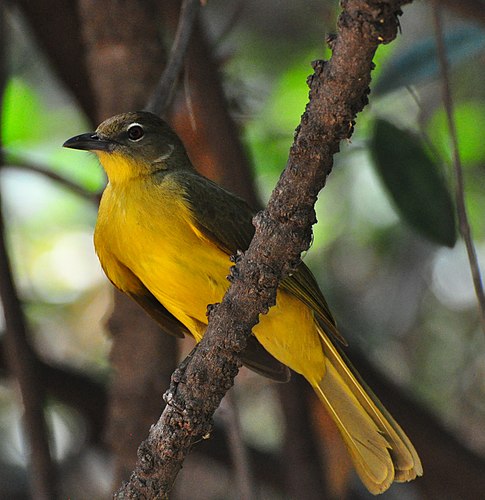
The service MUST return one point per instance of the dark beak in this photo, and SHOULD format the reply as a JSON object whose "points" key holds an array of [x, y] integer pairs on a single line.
{"points": [[89, 142]]}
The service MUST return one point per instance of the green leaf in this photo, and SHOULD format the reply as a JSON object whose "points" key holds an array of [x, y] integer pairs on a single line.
{"points": [[414, 182], [419, 62]]}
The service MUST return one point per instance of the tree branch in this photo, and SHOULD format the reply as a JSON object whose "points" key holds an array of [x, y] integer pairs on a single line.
{"points": [[20, 360], [64, 182], [123, 58], [338, 91], [463, 223], [163, 93], [214, 145], [243, 475], [302, 465], [23, 367]]}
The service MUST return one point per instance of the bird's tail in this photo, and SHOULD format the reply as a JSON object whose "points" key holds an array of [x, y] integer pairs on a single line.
{"points": [[379, 449]]}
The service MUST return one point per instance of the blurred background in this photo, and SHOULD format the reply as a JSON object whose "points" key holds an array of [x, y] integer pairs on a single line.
{"points": [[387, 257]]}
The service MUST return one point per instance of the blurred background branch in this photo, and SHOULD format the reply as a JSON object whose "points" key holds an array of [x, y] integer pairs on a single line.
{"points": [[463, 223], [19, 356], [64, 182], [164, 91]]}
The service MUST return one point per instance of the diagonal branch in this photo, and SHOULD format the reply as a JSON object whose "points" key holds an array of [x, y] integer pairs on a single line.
{"points": [[463, 223], [62, 181], [163, 93], [338, 91]]}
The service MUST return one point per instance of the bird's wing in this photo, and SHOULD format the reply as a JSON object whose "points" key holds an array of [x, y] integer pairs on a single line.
{"points": [[258, 359], [167, 322], [254, 356], [222, 217], [303, 285], [133, 287], [226, 220]]}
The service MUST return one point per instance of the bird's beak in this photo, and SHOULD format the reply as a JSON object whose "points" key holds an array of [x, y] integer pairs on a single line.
{"points": [[89, 142]]}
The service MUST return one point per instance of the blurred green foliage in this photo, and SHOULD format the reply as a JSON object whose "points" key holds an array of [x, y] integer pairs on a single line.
{"points": [[23, 117], [470, 123]]}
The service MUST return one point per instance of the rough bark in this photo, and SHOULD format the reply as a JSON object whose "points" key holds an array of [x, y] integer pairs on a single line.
{"points": [[452, 469], [338, 91]]}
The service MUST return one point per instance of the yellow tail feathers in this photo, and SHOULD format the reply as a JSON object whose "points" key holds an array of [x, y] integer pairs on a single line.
{"points": [[380, 450]]}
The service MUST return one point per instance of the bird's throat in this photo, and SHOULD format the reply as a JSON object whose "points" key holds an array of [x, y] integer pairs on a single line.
{"points": [[120, 168]]}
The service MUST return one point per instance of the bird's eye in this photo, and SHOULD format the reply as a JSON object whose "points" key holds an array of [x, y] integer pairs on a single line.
{"points": [[135, 132]]}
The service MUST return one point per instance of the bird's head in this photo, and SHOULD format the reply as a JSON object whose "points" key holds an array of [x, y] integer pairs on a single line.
{"points": [[132, 145]]}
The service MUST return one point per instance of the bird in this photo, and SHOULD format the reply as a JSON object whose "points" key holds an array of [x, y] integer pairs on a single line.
{"points": [[165, 235]]}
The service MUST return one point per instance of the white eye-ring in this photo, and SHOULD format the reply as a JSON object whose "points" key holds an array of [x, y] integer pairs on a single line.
{"points": [[135, 132]]}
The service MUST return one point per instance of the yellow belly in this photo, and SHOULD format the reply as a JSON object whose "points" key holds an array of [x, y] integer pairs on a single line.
{"points": [[152, 234]]}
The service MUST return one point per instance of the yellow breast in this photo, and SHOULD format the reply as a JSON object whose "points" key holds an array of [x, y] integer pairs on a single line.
{"points": [[148, 228]]}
